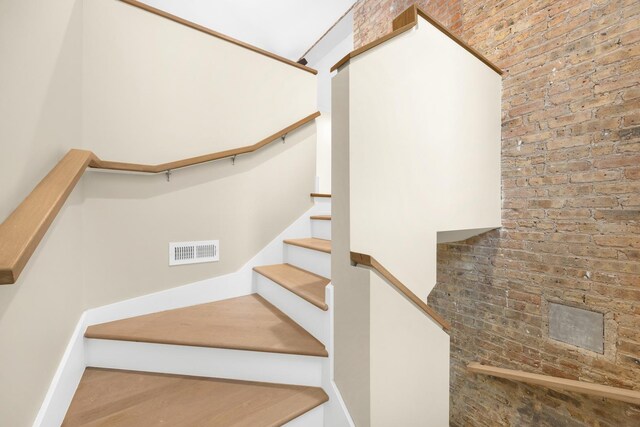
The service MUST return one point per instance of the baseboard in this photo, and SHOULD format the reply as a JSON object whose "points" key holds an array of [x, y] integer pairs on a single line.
{"points": [[336, 413], [65, 380]]}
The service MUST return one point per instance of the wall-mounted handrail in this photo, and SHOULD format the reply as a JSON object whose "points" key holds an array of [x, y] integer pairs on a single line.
{"points": [[556, 383], [369, 261], [406, 21], [164, 167], [23, 230], [216, 34]]}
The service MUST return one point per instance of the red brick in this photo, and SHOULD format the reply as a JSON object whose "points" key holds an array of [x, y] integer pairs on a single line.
{"points": [[604, 175], [632, 173], [618, 241], [617, 161]]}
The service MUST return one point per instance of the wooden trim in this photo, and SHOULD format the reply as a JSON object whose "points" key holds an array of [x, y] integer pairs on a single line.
{"points": [[321, 217], [369, 261], [406, 21], [329, 30], [408, 17], [458, 40], [216, 34], [615, 393], [163, 167], [371, 45], [23, 230]]}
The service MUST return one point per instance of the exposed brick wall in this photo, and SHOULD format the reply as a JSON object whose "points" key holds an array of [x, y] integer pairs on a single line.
{"points": [[571, 211], [372, 18]]}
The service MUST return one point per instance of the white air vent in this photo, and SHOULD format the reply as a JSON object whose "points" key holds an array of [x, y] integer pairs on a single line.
{"points": [[194, 252]]}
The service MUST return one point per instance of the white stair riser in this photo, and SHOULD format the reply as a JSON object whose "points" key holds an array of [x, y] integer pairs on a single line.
{"points": [[321, 229], [313, 319], [308, 259], [205, 362], [323, 204], [313, 418]]}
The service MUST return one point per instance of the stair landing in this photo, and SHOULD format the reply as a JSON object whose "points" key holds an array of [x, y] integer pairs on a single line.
{"points": [[109, 397], [242, 323]]}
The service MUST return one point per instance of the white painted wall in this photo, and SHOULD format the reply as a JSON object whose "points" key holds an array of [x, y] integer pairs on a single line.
{"points": [[409, 362], [156, 91], [285, 27], [40, 113], [337, 43], [323, 154], [425, 139], [131, 86], [416, 140], [351, 285]]}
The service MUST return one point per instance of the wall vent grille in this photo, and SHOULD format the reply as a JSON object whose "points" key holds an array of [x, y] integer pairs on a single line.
{"points": [[181, 253]]}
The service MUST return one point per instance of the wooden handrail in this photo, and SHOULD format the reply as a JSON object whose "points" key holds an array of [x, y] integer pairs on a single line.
{"points": [[23, 230], [369, 261], [216, 34], [163, 167], [556, 383], [406, 21]]}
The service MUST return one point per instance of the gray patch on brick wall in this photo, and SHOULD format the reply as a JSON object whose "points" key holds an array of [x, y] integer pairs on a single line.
{"points": [[575, 326], [630, 133]]}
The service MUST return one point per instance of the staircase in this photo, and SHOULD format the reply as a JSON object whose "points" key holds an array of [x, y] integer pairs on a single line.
{"points": [[260, 359]]}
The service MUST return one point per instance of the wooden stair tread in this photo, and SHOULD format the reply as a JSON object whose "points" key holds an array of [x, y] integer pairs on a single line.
{"points": [[128, 398], [305, 284], [321, 217], [242, 323], [316, 244], [324, 195]]}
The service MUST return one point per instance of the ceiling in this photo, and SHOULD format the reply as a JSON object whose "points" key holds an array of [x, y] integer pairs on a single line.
{"points": [[285, 27]]}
